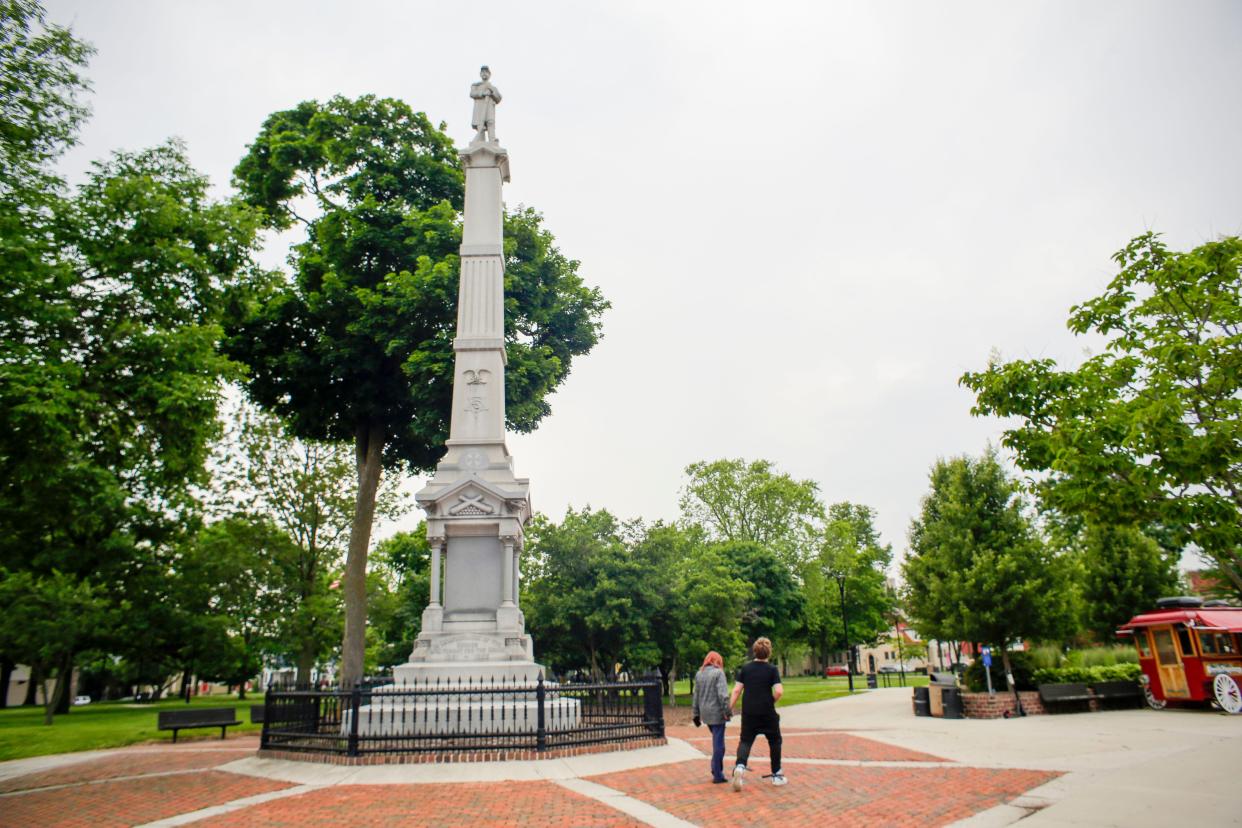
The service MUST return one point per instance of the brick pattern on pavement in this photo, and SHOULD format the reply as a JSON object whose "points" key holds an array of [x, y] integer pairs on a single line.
{"points": [[492, 804], [817, 794], [111, 767], [130, 802], [812, 744]]}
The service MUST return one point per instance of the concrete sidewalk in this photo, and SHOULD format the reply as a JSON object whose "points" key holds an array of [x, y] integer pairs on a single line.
{"points": [[1121, 768]]}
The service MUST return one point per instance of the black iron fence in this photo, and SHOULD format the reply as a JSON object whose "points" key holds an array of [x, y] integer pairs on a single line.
{"points": [[461, 715]]}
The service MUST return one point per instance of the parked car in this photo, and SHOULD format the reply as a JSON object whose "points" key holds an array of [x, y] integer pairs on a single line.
{"points": [[82, 700], [836, 670]]}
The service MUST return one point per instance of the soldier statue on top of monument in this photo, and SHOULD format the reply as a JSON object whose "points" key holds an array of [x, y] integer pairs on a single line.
{"points": [[485, 97]]}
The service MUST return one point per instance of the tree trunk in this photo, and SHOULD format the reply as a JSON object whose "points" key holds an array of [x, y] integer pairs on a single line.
{"points": [[241, 691], [187, 678], [368, 451], [32, 686], [52, 705], [306, 663], [6, 675], [1017, 701], [672, 683], [63, 697]]}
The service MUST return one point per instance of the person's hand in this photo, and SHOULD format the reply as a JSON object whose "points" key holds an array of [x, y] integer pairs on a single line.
{"points": [[728, 715], [698, 722]]}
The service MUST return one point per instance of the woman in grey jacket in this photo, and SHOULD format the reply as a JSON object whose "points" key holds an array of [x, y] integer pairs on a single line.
{"points": [[711, 707]]}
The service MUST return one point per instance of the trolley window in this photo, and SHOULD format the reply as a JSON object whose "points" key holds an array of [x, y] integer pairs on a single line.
{"points": [[1183, 638], [1166, 653], [1143, 642], [1218, 643]]}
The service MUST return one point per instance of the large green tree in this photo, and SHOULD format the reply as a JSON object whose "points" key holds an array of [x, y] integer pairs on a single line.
{"points": [[48, 619], [776, 603], [110, 300], [229, 592], [357, 344], [1146, 433], [703, 600], [849, 559], [590, 595], [1123, 573], [739, 500], [307, 489], [41, 75], [402, 566], [976, 569]]}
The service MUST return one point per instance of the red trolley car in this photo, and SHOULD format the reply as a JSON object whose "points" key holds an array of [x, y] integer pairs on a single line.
{"points": [[1190, 652]]}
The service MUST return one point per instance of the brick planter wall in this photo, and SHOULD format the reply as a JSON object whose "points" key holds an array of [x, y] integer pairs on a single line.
{"points": [[438, 757], [984, 706]]}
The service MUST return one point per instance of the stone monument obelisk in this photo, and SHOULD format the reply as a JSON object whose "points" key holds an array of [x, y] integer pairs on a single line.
{"points": [[476, 508]]}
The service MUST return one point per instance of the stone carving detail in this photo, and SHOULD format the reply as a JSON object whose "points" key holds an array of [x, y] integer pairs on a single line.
{"points": [[475, 382], [467, 648], [471, 504], [473, 459]]}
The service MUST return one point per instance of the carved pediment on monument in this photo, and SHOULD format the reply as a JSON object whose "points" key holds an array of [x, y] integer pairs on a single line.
{"points": [[480, 499], [471, 504]]}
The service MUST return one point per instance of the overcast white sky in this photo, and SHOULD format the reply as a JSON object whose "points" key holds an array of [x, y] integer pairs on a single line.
{"points": [[810, 218]]}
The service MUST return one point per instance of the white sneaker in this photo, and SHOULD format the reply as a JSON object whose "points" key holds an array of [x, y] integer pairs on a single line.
{"points": [[738, 772], [779, 779]]}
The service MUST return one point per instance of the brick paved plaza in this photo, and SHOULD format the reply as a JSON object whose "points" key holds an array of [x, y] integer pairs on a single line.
{"points": [[150, 783], [869, 762]]}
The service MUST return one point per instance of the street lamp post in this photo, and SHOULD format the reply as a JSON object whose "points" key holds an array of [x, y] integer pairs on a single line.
{"points": [[845, 620]]}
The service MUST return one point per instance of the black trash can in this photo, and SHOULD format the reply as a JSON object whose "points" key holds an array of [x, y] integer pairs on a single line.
{"points": [[952, 703], [922, 702], [871, 683]]}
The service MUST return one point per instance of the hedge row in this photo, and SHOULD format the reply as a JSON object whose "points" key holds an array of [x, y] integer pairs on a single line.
{"points": [[1087, 675]]}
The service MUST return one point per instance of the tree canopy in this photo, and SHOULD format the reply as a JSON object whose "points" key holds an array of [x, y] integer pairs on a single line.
{"points": [[849, 554], [1146, 433], [737, 500], [589, 600], [977, 570]]}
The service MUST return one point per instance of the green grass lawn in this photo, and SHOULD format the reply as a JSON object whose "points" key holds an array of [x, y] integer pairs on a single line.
{"points": [[106, 725], [803, 689]]}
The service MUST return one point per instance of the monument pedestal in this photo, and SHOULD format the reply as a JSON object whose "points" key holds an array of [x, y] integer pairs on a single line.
{"points": [[472, 660]]}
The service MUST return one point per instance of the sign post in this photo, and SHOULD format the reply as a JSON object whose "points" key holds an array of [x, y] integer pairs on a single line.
{"points": [[987, 668]]}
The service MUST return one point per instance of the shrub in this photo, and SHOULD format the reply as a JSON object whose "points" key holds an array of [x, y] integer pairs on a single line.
{"points": [[1087, 675], [1023, 673], [1046, 656], [1102, 656]]}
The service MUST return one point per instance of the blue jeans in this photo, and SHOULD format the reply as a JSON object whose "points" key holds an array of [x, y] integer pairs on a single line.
{"points": [[718, 731]]}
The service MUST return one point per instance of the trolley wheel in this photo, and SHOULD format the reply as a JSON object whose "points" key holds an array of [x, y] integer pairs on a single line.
{"points": [[1228, 696], [1153, 702]]}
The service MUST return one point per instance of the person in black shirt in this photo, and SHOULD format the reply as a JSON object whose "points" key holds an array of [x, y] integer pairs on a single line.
{"points": [[759, 685]]}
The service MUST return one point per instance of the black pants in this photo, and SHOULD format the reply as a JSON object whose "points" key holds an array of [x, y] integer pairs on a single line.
{"points": [[770, 727]]}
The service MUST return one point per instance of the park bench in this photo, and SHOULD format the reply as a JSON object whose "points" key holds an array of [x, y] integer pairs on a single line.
{"points": [[174, 720], [1120, 691], [1064, 694]]}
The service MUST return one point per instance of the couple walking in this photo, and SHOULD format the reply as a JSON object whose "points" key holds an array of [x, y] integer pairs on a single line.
{"points": [[759, 685]]}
